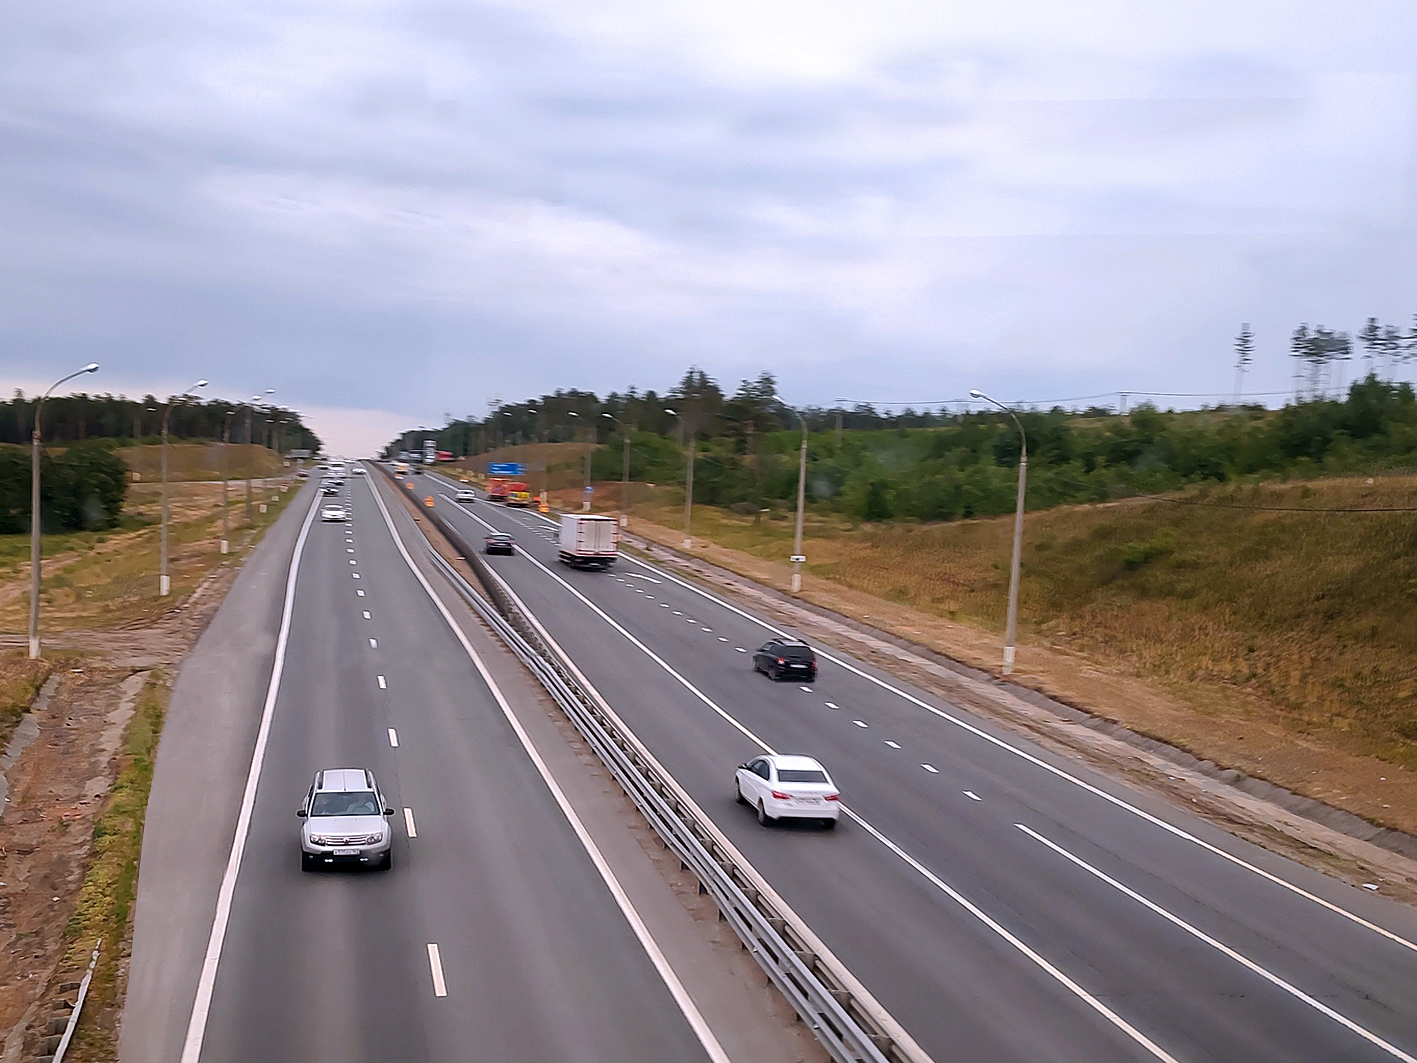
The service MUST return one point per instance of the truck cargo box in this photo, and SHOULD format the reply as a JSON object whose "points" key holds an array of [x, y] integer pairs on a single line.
{"points": [[589, 540]]}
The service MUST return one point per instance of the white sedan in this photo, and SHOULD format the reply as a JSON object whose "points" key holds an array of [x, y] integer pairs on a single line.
{"points": [[783, 786], [333, 513], [467, 494], [358, 471]]}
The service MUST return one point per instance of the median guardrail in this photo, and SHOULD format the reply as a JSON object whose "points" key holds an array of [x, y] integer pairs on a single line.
{"points": [[850, 1025]]}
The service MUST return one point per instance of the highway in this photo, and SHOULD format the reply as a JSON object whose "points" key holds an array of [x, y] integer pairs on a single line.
{"points": [[1001, 901], [494, 936]]}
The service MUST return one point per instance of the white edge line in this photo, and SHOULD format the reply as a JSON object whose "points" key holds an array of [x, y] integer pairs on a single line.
{"points": [[978, 732], [1239, 958], [690, 1010], [206, 980]]}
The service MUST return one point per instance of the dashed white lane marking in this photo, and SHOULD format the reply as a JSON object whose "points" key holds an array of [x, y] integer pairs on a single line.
{"points": [[807, 689], [722, 639], [931, 769], [435, 964], [366, 612], [832, 705], [893, 745], [349, 549], [383, 685], [740, 649], [1244, 961], [971, 795], [677, 613], [355, 575], [860, 723], [663, 605], [408, 823], [638, 575], [393, 738], [649, 597], [353, 562], [360, 593], [373, 644]]}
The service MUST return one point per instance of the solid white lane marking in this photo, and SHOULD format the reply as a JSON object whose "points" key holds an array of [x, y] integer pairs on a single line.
{"points": [[860, 723], [1239, 958], [206, 980], [393, 738], [893, 745], [1156, 821], [373, 644], [832, 705], [435, 964], [366, 613], [931, 769], [971, 795], [712, 1048], [408, 823], [382, 685], [360, 593]]}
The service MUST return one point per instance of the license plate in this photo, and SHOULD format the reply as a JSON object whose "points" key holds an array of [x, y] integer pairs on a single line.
{"points": [[345, 852], [811, 800]]}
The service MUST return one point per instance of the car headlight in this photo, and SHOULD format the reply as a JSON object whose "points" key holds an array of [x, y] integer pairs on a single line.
{"points": [[318, 839]]}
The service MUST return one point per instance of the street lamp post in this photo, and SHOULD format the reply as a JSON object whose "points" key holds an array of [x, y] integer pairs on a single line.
{"points": [[624, 473], [225, 481], [164, 581], [797, 557], [688, 483], [36, 524], [1011, 625], [250, 512]]}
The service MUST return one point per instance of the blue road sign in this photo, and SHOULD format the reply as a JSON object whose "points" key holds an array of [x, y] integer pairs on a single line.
{"points": [[506, 468]]}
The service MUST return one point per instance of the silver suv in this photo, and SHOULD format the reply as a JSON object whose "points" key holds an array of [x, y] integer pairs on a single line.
{"points": [[346, 821]]}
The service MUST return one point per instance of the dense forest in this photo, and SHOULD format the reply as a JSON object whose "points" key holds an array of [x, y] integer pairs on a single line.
{"points": [[81, 487], [941, 466], [72, 418]]}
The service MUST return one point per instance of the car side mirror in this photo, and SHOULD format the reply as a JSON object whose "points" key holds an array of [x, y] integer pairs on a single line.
{"points": [[743, 765], [388, 811], [300, 812]]}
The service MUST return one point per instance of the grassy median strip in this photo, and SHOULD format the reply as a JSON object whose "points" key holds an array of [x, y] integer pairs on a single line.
{"points": [[105, 903]]}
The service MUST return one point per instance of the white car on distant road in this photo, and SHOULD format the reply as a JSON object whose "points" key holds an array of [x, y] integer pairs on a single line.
{"points": [[467, 494], [359, 471], [786, 786], [333, 513]]}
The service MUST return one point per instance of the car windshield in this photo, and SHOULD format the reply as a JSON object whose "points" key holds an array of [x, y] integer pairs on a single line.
{"points": [[800, 775], [339, 803]]}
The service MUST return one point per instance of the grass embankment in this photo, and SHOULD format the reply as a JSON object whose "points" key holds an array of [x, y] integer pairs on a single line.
{"points": [[200, 461], [20, 680], [550, 465], [1300, 622], [107, 578], [110, 886]]}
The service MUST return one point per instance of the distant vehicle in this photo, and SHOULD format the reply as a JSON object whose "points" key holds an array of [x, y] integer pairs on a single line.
{"points": [[499, 543], [444, 455], [329, 489], [400, 468], [497, 489], [333, 513], [786, 659], [359, 470], [346, 821], [589, 540], [784, 786], [418, 470], [466, 494]]}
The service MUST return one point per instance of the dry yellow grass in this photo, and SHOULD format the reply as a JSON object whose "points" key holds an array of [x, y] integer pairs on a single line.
{"points": [[200, 461]]}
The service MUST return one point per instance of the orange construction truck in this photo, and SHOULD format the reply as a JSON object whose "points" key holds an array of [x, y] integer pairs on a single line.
{"points": [[518, 494]]}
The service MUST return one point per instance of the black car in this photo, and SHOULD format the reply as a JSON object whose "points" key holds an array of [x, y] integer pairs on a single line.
{"points": [[328, 489], [786, 659], [499, 543]]}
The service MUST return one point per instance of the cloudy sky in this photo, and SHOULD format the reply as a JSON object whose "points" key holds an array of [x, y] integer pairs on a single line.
{"points": [[389, 210]]}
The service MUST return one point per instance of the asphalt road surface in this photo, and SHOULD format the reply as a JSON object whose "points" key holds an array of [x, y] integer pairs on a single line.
{"points": [[494, 936], [1004, 903]]}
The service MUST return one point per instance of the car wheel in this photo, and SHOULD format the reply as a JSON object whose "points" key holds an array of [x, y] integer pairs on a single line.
{"points": [[775, 673], [738, 787], [829, 824], [763, 817], [388, 863]]}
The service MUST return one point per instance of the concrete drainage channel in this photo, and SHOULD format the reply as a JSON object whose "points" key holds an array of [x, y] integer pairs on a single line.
{"points": [[852, 1027]]}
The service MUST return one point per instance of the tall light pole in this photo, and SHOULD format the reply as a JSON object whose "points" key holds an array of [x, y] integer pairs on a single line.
{"points": [[624, 473], [225, 481], [688, 482], [797, 557], [164, 581], [250, 512], [1011, 625], [36, 524]]}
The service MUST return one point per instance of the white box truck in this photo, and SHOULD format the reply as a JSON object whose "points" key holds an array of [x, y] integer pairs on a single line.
{"points": [[589, 540]]}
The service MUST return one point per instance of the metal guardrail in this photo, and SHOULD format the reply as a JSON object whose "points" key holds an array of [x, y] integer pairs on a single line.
{"points": [[73, 1022], [847, 1027]]}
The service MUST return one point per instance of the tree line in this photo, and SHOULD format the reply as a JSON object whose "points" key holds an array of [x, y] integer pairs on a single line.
{"points": [[74, 418], [82, 487], [942, 466]]}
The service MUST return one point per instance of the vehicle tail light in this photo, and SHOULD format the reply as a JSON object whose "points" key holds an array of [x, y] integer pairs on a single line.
{"points": [[781, 660], [779, 795], [833, 797]]}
